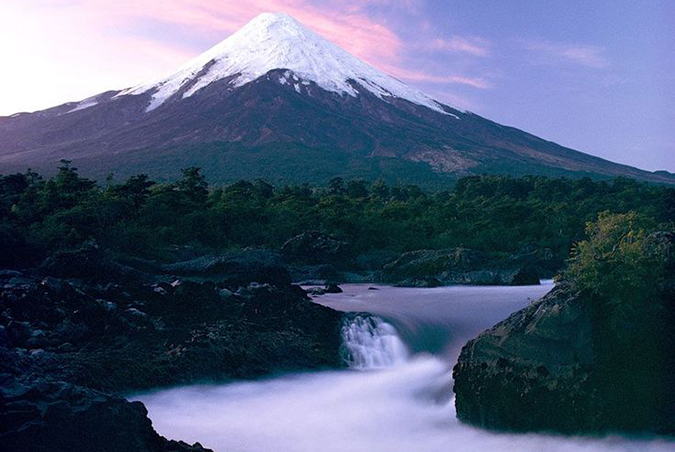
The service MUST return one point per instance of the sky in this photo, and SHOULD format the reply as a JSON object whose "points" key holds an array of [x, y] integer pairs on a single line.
{"points": [[597, 76]]}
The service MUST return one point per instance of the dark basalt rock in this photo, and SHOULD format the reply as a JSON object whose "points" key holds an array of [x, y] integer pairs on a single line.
{"points": [[316, 274], [39, 415], [314, 247], [333, 288], [88, 262], [419, 282], [65, 338], [164, 334], [328, 288], [236, 268], [552, 367], [432, 268]]}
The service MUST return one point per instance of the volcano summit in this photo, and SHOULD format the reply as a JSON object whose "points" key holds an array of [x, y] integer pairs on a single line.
{"points": [[278, 101]]}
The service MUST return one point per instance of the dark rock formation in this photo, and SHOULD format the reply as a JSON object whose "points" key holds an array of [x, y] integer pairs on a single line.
{"points": [[87, 262], [237, 268], [314, 247], [333, 288], [432, 268], [328, 288], [316, 274], [135, 337], [40, 415], [83, 323], [553, 366]]}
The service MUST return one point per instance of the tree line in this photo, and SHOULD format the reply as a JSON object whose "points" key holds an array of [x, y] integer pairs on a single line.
{"points": [[139, 217]]}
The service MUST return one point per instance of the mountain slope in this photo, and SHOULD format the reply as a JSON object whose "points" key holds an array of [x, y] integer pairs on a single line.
{"points": [[278, 90]]}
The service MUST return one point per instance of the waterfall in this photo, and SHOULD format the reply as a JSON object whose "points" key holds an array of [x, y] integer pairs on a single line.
{"points": [[371, 343]]}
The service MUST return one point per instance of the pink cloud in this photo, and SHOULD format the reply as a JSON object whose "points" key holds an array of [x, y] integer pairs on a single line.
{"points": [[348, 27], [371, 40], [418, 76], [94, 41], [473, 46], [585, 55]]}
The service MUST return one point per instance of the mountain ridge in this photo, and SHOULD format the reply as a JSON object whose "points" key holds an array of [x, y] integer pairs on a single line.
{"points": [[232, 96]]}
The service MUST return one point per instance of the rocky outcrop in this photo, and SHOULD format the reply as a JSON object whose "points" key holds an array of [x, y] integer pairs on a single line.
{"points": [[115, 337], [235, 268], [314, 247], [40, 415], [552, 366], [89, 262], [431, 268], [67, 332], [328, 288]]}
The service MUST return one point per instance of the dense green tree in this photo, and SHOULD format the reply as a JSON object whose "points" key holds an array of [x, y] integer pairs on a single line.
{"points": [[496, 214], [193, 184]]}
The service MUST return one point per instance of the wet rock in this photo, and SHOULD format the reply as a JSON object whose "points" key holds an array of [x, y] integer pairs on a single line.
{"points": [[39, 415], [316, 274], [18, 333], [432, 268], [66, 347], [7, 274], [121, 335], [419, 282], [554, 366], [238, 268], [4, 338], [225, 293], [328, 288], [316, 291], [333, 288], [55, 285], [135, 313], [499, 382], [89, 262], [314, 247]]}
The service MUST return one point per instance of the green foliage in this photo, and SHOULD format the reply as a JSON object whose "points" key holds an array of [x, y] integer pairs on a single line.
{"points": [[619, 263], [624, 272], [615, 247], [489, 213]]}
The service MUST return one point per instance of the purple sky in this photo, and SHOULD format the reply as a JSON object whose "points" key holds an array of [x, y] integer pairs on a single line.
{"points": [[597, 76]]}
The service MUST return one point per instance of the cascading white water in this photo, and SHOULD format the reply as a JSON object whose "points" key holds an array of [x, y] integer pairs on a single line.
{"points": [[404, 406], [371, 343]]}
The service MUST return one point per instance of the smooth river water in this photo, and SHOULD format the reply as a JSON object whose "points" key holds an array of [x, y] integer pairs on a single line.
{"points": [[396, 398]]}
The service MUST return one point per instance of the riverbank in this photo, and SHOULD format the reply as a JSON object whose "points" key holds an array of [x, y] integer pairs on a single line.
{"points": [[82, 329], [405, 407]]}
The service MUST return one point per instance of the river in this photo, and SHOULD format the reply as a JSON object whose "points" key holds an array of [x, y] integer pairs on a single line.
{"points": [[397, 396]]}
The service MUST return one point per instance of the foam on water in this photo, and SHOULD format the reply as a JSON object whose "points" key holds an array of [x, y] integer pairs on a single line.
{"points": [[405, 406], [371, 343]]}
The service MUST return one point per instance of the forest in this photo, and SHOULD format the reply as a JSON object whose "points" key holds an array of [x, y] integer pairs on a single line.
{"points": [[141, 218]]}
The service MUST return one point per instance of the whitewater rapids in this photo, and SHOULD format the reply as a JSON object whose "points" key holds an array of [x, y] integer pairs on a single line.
{"points": [[396, 398]]}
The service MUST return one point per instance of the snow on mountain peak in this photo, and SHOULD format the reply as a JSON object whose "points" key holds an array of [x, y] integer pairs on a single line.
{"points": [[277, 41]]}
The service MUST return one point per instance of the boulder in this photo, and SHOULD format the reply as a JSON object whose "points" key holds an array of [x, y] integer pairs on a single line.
{"points": [[39, 415], [328, 288], [89, 262], [238, 268], [314, 247], [432, 268], [419, 282], [333, 288], [316, 274], [553, 367]]}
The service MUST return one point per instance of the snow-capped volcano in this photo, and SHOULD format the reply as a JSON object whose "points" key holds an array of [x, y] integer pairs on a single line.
{"points": [[277, 41], [277, 101]]}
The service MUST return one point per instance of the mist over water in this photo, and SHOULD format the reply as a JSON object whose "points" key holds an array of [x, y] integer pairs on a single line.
{"points": [[399, 399], [371, 343]]}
